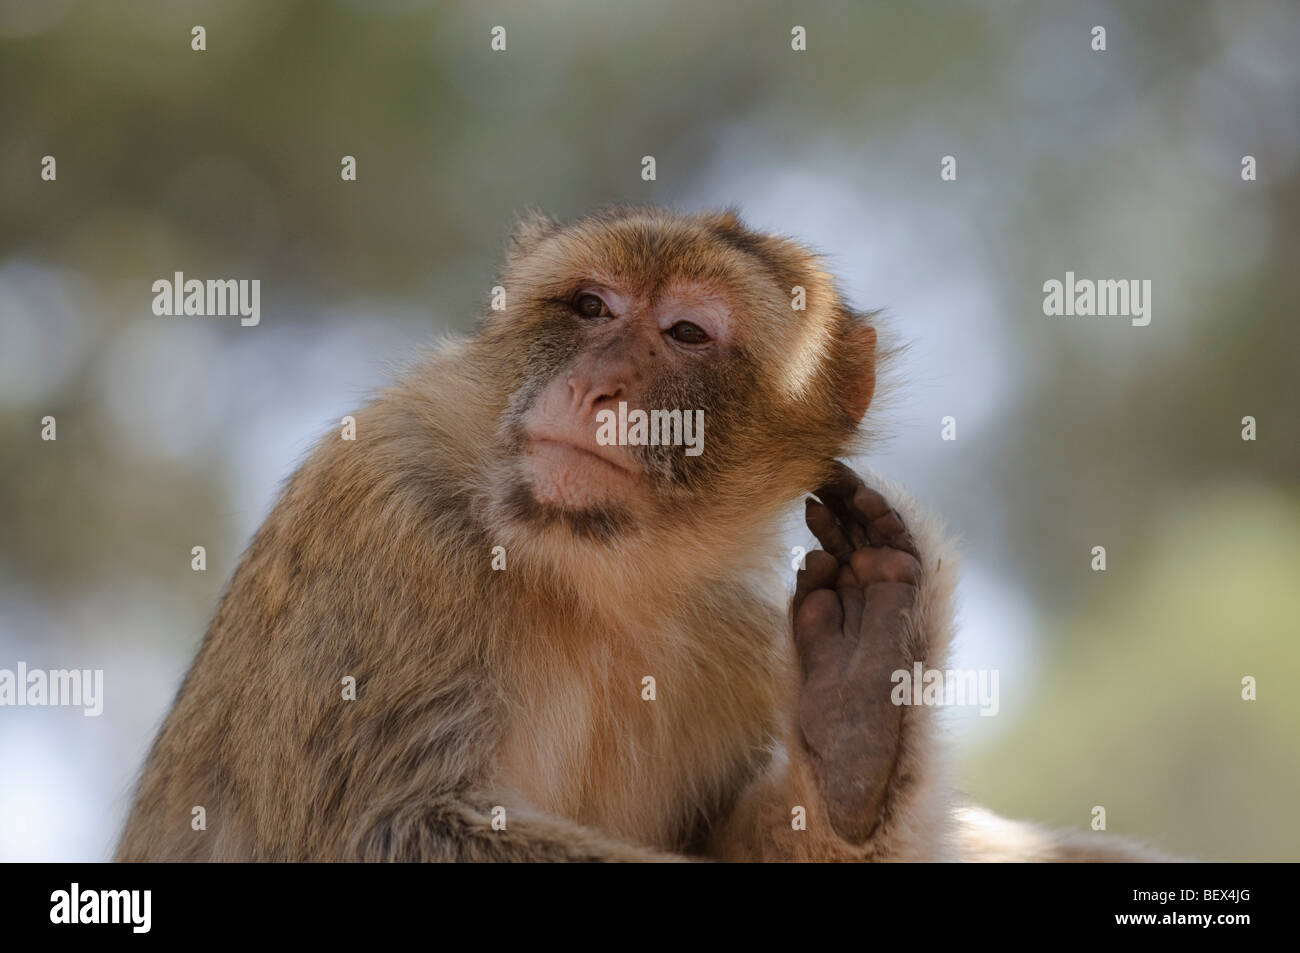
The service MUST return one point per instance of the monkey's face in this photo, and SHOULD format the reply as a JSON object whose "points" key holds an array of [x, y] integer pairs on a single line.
{"points": [[612, 429], [659, 374]]}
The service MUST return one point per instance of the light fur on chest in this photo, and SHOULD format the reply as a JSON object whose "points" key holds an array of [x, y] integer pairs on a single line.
{"points": [[585, 741]]}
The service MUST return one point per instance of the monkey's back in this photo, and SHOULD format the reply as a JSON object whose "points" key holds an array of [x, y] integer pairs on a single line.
{"points": [[359, 572]]}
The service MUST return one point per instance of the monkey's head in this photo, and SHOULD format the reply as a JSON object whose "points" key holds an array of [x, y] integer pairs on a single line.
{"points": [[664, 376]]}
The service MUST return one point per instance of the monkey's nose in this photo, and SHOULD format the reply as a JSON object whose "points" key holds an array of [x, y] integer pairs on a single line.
{"points": [[592, 394]]}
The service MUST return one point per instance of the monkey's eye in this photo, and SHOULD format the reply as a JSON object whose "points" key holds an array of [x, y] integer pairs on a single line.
{"points": [[688, 333], [590, 306]]}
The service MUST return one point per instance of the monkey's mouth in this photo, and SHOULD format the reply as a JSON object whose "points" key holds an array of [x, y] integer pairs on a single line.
{"points": [[559, 449]]}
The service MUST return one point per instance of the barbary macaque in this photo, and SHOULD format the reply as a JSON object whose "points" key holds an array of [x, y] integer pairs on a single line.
{"points": [[571, 649]]}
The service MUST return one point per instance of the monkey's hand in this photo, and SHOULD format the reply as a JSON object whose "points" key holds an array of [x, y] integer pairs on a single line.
{"points": [[853, 620]]}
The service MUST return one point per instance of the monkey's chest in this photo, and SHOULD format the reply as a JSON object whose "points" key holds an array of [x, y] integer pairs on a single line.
{"points": [[628, 752]]}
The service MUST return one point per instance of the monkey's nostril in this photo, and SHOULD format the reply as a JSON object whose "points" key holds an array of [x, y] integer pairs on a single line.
{"points": [[613, 394]]}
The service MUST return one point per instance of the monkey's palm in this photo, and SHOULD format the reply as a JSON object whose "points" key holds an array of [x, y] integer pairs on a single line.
{"points": [[851, 617]]}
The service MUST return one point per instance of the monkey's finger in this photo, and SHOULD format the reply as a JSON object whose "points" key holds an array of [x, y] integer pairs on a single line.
{"points": [[884, 526], [819, 572], [858, 505], [870, 503], [848, 523], [827, 529], [837, 492]]}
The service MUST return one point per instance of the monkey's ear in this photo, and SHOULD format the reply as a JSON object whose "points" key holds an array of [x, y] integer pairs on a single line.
{"points": [[858, 368], [532, 227], [726, 220]]}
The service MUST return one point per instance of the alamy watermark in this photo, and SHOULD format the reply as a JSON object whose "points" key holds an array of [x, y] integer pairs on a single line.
{"points": [[61, 687], [1125, 297], [939, 687], [75, 905], [655, 428], [215, 297]]}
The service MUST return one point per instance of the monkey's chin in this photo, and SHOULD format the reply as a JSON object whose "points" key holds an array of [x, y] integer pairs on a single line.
{"points": [[564, 492], [570, 478]]}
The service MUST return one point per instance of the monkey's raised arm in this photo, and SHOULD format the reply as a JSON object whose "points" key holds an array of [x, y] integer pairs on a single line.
{"points": [[875, 602], [865, 606]]}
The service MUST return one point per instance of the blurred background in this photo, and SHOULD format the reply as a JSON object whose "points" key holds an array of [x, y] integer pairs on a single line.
{"points": [[1119, 688]]}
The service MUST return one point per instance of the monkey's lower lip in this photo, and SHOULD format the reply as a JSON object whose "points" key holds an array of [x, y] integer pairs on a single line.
{"points": [[540, 442]]}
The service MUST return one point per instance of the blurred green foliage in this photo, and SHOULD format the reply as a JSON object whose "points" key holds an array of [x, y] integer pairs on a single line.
{"points": [[1139, 706]]}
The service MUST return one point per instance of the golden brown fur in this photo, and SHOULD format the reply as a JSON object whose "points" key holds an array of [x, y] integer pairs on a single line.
{"points": [[522, 688]]}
